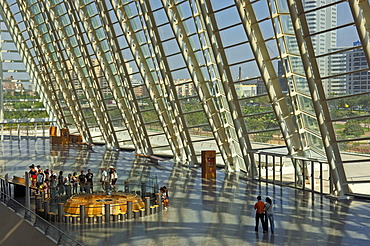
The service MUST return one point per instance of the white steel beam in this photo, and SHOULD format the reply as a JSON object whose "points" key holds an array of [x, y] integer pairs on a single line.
{"points": [[53, 70], [52, 107], [361, 14], [157, 95], [125, 98], [187, 152], [242, 145], [286, 121], [207, 91], [88, 81], [318, 96]]}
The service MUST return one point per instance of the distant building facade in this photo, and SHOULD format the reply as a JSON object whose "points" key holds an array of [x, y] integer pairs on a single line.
{"points": [[358, 82]]}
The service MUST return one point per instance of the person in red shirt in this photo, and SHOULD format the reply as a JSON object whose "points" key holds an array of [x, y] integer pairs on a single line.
{"points": [[260, 214]]}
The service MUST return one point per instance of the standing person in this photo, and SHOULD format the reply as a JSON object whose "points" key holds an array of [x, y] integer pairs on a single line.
{"points": [[46, 172], [74, 183], [89, 181], [33, 175], [260, 213], [68, 185], [82, 181], [113, 176], [104, 178], [60, 183], [269, 214], [40, 178], [52, 173], [52, 183]]}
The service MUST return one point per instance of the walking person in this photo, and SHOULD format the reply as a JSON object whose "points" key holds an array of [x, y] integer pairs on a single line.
{"points": [[260, 214], [269, 214], [47, 174], [68, 185], [45, 187]]}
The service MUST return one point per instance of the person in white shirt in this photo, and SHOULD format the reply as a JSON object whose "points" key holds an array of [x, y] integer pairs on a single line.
{"points": [[104, 178], [269, 214]]}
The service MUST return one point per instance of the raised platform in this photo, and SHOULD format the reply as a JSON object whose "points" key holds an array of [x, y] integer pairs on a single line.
{"points": [[94, 203]]}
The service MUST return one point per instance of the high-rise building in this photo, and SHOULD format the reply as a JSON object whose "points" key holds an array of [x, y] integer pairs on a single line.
{"points": [[322, 19], [357, 82], [337, 85]]}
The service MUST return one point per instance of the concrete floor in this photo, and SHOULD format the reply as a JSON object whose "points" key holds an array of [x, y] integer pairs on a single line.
{"points": [[201, 212]]}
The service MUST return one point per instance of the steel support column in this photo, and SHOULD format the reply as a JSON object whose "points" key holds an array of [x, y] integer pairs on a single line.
{"points": [[157, 95], [89, 84], [361, 14], [318, 96], [52, 107], [243, 144], [203, 86], [125, 98], [50, 66], [186, 149], [271, 81]]}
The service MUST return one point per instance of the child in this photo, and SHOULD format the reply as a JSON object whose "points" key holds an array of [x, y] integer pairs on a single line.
{"points": [[164, 198], [167, 196]]}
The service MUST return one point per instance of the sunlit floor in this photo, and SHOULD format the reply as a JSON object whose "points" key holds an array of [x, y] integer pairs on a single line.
{"points": [[201, 213]]}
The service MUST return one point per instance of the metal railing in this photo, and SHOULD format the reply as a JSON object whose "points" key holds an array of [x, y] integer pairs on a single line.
{"points": [[300, 173], [53, 232]]}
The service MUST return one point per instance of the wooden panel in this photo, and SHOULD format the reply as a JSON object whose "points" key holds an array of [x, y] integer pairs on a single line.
{"points": [[65, 136], [53, 131], [56, 140], [209, 164]]}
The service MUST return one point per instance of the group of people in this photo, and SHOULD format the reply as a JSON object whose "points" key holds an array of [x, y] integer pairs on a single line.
{"points": [[46, 181], [264, 213]]}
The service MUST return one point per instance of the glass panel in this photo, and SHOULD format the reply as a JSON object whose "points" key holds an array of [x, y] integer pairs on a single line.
{"points": [[306, 104], [195, 119], [315, 142], [227, 18], [350, 129], [261, 122], [272, 138], [255, 105], [228, 36], [346, 108]]}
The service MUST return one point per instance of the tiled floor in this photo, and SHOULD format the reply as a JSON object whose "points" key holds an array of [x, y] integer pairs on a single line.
{"points": [[201, 213]]}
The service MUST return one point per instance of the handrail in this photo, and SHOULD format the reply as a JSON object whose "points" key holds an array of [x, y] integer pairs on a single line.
{"points": [[50, 230], [288, 156]]}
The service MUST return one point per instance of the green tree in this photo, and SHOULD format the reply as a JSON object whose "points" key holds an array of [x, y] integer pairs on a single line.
{"points": [[353, 129]]}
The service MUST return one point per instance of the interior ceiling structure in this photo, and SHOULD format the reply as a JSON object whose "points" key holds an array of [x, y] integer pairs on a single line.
{"points": [[182, 76]]}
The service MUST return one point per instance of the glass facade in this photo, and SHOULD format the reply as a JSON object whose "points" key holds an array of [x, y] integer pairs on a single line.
{"points": [[171, 77]]}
